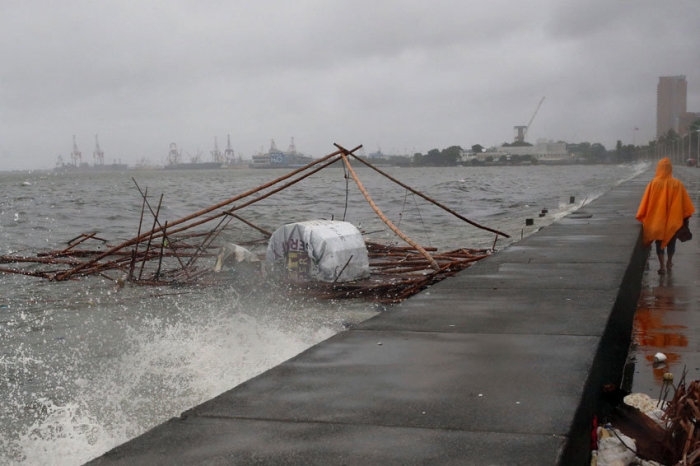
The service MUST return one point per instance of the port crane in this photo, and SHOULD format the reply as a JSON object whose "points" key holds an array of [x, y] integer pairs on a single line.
{"points": [[98, 154], [174, 154], [521, 131], [228, 152], [76, 156], [216, 155]]}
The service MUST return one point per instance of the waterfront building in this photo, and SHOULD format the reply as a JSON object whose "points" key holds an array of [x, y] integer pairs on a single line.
{"points": [[543, 150], [671, 106]]}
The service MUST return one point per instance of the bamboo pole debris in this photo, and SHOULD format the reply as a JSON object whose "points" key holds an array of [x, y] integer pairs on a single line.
{"points": [[379, 213], [73, 243], [418, 193], [168, 252], [251, 224], [150, 237], [187, 218], [136, 246]]}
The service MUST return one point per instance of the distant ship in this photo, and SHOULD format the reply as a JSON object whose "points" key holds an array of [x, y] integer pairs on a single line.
{"points": [[276, 158], [174, 163], [85, 167], [193, 166]]}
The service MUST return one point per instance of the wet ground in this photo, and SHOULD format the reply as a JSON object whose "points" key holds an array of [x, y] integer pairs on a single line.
{"points": [[668, 315]]}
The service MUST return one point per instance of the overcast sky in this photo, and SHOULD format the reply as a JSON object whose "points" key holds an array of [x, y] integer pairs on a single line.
{"points": [[404, 76]]}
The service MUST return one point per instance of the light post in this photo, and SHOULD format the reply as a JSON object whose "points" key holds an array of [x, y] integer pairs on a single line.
{"points": [[690, 139]]}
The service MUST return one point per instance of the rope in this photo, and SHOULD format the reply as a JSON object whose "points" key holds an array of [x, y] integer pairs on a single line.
{"points": [[425, 229], [347, 190]]}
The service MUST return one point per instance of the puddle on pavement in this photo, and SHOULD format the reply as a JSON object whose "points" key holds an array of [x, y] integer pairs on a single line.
{"points": [[659, 327]]}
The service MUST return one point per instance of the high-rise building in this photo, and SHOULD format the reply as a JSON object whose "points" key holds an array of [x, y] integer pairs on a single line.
{"points": [[671, 102]]}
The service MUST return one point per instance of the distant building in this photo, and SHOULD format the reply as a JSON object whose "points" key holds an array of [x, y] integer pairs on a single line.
{"points": [[671, 106], [544, 150]]}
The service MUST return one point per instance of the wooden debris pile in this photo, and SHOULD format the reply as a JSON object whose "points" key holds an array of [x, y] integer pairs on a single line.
{"points": [[170, 252], [683, 416], [675, 440]]}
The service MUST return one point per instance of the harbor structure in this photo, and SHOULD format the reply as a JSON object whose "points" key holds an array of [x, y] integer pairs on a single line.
{"points": [[76, 161], [544, 150], [276, 158]]}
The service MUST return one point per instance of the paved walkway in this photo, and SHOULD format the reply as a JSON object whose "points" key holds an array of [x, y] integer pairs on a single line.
{"points": [[501, 364], [668, 314]]}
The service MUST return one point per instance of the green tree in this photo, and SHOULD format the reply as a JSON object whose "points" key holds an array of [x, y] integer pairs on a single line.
{"points": [[432, 157], [695, 126], [598, 151], [477, 149], [451, 155]]}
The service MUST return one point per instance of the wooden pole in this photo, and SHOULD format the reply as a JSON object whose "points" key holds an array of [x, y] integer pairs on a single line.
{"points": [[379, 213], [150, 238], [136, 247], [65, 275], [252, 225], [418, 193], [257, 199]]}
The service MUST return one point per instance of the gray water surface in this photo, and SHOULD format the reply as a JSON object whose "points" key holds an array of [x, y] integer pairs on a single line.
{"points": [[86, 367]]}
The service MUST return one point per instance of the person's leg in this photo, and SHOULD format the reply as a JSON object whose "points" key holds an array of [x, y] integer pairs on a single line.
{"points": [[660, 255], [671, 251]]}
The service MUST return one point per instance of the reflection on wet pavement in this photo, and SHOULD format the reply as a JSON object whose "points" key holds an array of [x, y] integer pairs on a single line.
{"points": [[667, 319], [656, 329]]}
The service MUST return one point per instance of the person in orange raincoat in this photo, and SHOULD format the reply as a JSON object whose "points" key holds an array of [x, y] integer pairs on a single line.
{"points": [[665, 206]]}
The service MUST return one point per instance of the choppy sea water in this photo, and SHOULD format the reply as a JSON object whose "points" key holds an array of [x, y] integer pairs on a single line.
{"points": [[85, 367]]}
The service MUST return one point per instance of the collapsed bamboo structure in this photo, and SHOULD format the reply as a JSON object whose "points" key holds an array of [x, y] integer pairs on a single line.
{"points": [[674, 439], [169, 252]]}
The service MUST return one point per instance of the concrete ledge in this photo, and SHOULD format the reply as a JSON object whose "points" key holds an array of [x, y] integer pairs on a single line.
{"points": [[501, 364]]}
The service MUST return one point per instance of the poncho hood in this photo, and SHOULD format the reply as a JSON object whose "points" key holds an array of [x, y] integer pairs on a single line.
{"points": [[664, 169]]}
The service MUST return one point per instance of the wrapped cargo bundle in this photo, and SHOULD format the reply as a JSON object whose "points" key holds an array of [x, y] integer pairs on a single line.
{"points": [[319, 250]]}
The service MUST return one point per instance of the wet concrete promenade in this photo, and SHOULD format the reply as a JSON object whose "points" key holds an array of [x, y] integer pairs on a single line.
{"points": [[668, 313], [499, 365]]}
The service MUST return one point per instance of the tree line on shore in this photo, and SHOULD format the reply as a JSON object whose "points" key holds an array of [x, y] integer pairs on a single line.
{"points": [[669, 144]]}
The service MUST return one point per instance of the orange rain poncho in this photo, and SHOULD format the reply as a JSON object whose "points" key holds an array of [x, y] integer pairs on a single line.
{"points": [[664, 206]]}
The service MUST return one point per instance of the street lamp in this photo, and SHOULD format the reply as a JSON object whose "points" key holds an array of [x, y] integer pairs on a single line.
{"points": [[690, 138]]}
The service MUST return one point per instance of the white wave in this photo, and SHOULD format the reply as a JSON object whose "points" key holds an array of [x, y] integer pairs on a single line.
{"points": [[166, 366]]}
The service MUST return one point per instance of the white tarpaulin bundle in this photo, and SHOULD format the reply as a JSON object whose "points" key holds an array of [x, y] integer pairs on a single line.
{"points": [[321, 250]]}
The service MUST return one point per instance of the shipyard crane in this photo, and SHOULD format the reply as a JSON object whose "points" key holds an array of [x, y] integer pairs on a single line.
{"points": [[228, 152], [98, 155], [174, 154], [76, 156], [292, 148], [216, 155], [521, 131]]}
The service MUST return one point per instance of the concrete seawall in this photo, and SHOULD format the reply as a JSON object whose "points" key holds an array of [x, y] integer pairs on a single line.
{"points": [[501, 364]]}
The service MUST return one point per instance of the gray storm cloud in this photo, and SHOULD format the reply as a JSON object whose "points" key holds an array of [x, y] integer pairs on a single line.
{"points": [[403, 76]]}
